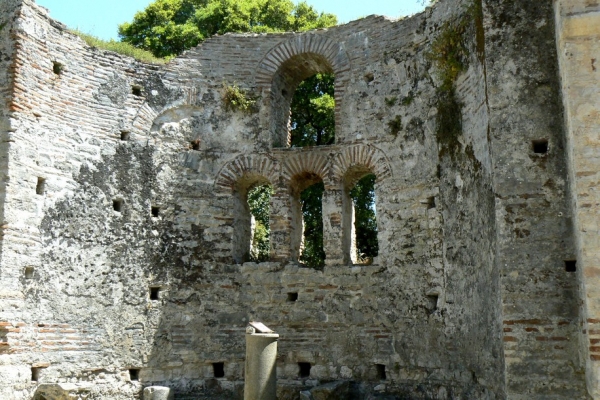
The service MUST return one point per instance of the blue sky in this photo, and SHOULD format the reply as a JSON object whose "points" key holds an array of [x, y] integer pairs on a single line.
{"points": [[101, 17]]}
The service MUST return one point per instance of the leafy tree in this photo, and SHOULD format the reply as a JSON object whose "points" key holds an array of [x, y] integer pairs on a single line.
{"points": [[168, 27], [363, 196], [312, 214], [165, 28], [259, 198], [313, 112]]}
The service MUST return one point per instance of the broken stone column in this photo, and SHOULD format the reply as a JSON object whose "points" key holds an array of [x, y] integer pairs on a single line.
{"points": [[158, 393], [260, 381]]}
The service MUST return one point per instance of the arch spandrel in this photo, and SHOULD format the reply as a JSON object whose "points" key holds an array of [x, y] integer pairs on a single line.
{"points": [[365, 156], [246, 165], [305, 162], [307, 43]]}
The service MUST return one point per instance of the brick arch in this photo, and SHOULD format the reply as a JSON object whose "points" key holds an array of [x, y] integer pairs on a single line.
{"points": [[360, 156], [148, 118], [287, 65], [333, 52], [305, 162], [243, 166]]}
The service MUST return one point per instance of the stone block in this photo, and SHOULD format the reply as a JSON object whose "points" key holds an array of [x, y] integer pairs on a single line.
{"points": [[158, 393]]}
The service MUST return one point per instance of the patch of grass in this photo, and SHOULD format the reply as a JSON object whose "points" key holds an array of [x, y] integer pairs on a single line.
{"points": [[2, 26], [450, 53], [390, 101], [407, 101], [395, 125], [237, 99], [120, 47]]}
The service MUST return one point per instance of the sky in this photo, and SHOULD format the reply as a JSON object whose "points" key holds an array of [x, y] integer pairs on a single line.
{"points": [[101, 17]]}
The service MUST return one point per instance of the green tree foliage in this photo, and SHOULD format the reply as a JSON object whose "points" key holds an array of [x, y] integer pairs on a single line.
{"points": [[165, 28], [259, 16], [363, 196], [313, 254], [313, 112], [168, 27], [259, 199]]}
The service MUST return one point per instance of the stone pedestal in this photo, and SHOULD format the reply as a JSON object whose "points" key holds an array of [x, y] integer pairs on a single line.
{"points": [[158, 393], [260, 371]]}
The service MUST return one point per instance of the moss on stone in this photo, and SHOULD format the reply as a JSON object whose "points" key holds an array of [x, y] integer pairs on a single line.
{"points": [[450, 54], [477, 14], [123, 48], [407, 101], [449, 122], [395, 125], [237, 99], [391, 101]]}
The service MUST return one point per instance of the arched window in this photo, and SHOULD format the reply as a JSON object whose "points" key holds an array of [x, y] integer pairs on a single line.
{"points": [[312, 112], [303, 102], [259, 200], [251, 215], [307, 220], [360, 239]]}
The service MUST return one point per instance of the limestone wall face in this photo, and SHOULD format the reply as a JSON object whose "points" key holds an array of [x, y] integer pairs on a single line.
{"points": [[9, 11], [577, 43], [533, 214], [103, 290], [8, 292]]}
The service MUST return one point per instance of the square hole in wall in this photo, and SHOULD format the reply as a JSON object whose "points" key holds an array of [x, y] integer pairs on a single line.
{"points": [[35, 374], [124, 135], [57, 67], [540, 146], [304, 369], [195, 144], [380, 372], [118, 205], [29, 272], [430, 202], [134, 374], [154, 293], [433, 301], [218, 369], [571, 265], [136, 90], [40, 187], [155, 211], [292, 297]]}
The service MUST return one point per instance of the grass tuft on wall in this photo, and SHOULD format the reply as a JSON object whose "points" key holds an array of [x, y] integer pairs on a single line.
{"points": [[123, 48]]}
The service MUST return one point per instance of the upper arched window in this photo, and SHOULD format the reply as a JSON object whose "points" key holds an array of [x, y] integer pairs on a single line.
{"points": [[303, 102], [312, 112]]}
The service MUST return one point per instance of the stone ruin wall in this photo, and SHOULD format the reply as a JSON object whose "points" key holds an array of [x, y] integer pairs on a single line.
{"points": [[533, 215], [578, 34], [467, 299]]}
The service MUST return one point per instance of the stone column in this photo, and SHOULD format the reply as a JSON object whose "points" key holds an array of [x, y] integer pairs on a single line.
{"points": [[332, 226], [280, 224], [158, 393], [260, 381]]}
